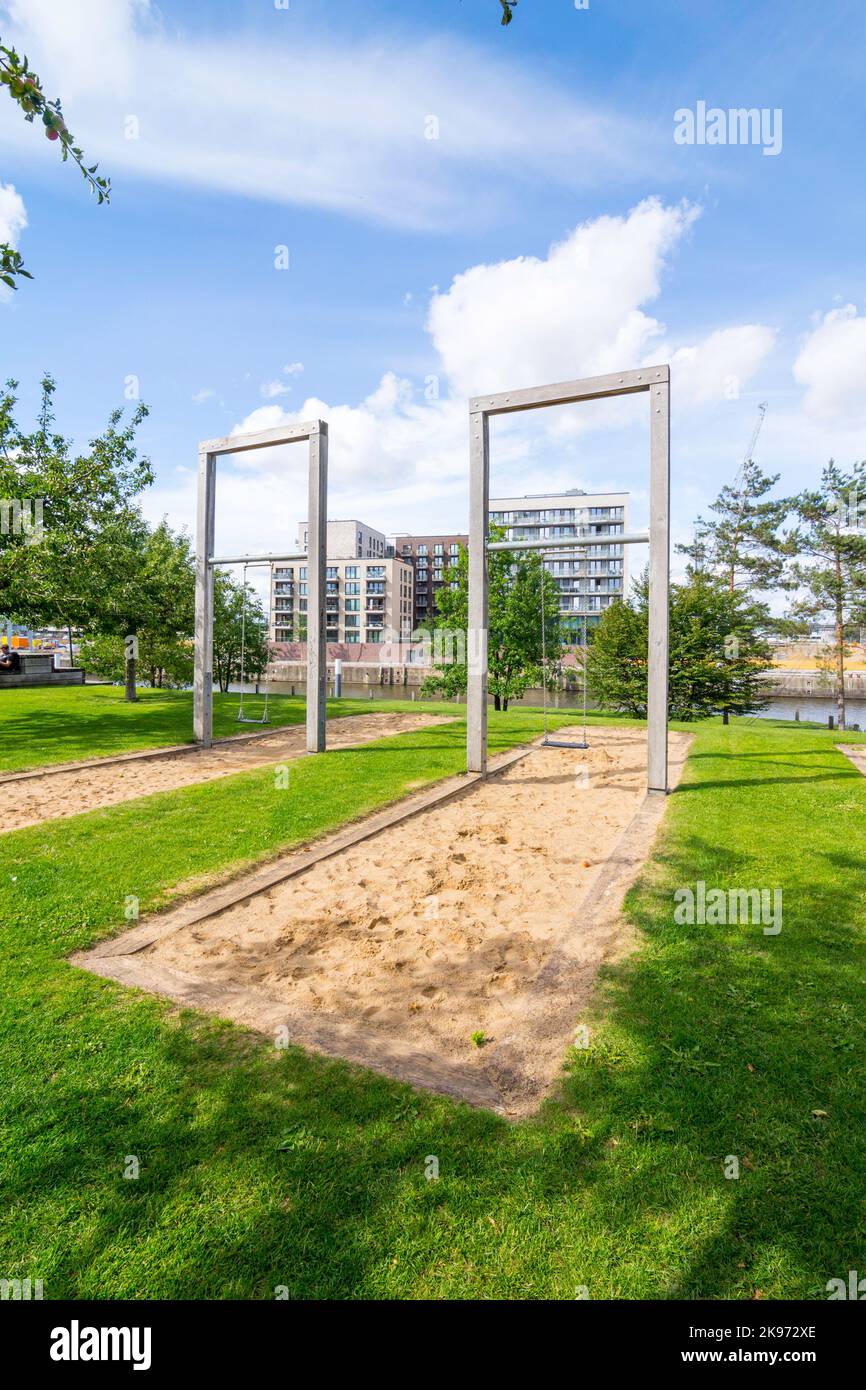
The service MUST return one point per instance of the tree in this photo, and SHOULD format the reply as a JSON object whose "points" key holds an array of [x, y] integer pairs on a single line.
{"points": [[146, 589], [25, 89], [74, 566], [165, 661], [515, 649], [616, 664], [833, 577], [717, 651], [744, 544], [231, 599]]}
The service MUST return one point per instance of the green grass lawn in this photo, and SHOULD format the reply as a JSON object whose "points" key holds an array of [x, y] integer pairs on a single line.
{"points": [[69, 723], [262, 1167]]}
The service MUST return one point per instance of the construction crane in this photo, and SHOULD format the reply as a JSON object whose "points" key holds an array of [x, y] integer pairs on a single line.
{"points": [[750, 452]]}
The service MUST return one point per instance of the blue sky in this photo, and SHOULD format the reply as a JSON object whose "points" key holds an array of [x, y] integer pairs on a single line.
{"points": [[415, 258]]}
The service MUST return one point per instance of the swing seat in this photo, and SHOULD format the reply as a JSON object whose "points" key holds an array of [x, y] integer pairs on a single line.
{"points": [[561, 743], [248, 719]]}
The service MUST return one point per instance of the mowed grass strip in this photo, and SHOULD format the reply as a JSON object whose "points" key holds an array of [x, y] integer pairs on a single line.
{"points": [[84, 868], [72, 723], [262, 1168]]}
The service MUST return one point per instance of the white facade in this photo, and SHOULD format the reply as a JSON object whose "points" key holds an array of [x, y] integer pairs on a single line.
{"points": [[588, 579], [366, 600], [348, 540]]}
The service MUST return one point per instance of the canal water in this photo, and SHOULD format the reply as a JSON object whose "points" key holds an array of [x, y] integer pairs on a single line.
{"points": [[809, 708]]}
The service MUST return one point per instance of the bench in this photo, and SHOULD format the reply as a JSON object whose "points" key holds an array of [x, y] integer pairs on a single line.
{"points": [[37, 668]]}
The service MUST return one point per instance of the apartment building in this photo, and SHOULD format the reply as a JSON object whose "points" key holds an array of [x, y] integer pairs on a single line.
{"points": [[349, 540], [588, 579], [365, 601], [434, 562]]}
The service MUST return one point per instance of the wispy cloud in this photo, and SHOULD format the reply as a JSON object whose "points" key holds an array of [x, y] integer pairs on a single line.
{"points": [[388, 131]]}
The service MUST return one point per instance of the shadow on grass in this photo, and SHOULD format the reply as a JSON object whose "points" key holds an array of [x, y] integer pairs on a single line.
{"points": [[262, 1168]]}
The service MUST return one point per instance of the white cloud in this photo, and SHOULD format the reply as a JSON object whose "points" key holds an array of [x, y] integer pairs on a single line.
{"points": [[832, 366], [576, 312], [205, 394], [399, 459], [722, 364], [13, 220], [287, 115], [13, 214], [271, 389], [88, 42]]}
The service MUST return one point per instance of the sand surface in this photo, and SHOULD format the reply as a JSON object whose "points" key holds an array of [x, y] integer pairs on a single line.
{"points": [[67, 793], [437, 927]]}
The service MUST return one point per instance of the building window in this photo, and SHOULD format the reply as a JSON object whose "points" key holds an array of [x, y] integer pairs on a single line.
{"points": [[422, 550], [352, 571], [353, 636], [353, 605], [352, 620], [374, 634], [377, 571], [353, 588]]}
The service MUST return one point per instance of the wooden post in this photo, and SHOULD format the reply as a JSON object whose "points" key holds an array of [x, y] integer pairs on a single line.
{"points": [[476, 637], [317, 533], [659, 585], [204, 582]]}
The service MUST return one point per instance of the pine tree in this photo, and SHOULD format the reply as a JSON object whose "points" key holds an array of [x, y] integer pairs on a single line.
{"points": [[744, 544], [717, 652], [832, 536]]}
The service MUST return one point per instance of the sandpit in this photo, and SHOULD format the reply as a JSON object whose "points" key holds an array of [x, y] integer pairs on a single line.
{"points": [[58, 792], [488, 914]]}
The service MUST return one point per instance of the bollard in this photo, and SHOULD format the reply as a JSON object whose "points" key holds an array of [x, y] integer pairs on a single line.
{"points": [[338, 678]]}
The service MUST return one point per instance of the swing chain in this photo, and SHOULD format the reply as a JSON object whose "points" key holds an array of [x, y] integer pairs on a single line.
{"points": [[241, 717]]}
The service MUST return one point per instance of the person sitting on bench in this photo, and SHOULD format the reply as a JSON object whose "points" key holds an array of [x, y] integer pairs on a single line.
{"points": [[8, 660]]}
